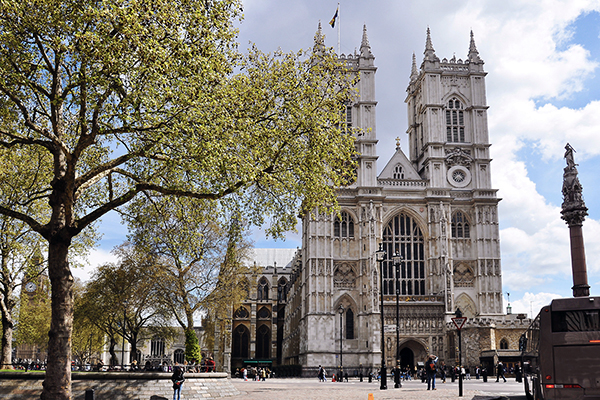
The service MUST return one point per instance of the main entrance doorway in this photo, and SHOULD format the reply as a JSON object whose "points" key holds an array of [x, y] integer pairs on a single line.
{"points": [[407, 359]]}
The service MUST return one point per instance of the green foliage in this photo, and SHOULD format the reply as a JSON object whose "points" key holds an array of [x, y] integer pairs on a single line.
{"points": [[192, 347], [33, 322], [109, 99]]}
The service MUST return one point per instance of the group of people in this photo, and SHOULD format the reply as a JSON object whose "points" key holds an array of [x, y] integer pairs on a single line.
{"points": [[258, 374]]}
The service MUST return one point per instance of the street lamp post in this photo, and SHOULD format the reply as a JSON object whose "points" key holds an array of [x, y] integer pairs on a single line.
{"points": [[458, 314], [397, 260], [381, 256], [340, 374]]}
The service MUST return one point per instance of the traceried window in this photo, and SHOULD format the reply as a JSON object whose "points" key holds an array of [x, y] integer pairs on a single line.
{"points": [[263, 342], [157, 347], [349, 324], [263, 313], [179, 356], [263, 289], [343, 226], [455, 121], [282, 290], [460, 226], [403, 236], [504, 344], [241, 340], [398, 172], [348, 117], [241, 313]]}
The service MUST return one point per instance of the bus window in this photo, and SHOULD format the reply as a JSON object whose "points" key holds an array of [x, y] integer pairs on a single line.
{"points": [[576, 321]]}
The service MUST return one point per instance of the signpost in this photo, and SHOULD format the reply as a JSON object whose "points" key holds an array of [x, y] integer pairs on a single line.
{"points": [[459, 322]]}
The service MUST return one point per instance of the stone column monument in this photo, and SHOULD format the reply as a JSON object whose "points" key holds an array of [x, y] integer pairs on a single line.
{"points": [[574, 212]]}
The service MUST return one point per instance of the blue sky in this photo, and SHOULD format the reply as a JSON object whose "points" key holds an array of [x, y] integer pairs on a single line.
{"points": [[543, 89]]}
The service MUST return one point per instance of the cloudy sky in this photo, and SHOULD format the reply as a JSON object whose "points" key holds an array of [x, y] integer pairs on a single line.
{"points": [[543, 89]]}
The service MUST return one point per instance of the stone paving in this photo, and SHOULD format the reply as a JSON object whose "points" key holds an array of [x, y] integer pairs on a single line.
{"points": [[307, 389]]}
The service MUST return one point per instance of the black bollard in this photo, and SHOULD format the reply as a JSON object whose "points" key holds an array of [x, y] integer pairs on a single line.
{"points": [[89, 394]]}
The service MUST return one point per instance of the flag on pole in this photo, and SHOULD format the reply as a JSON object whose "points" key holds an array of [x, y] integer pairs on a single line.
{"points": [[332, 22]]}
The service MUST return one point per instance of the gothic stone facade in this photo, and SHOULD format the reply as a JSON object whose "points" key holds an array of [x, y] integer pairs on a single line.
{"points": [[435, 207]]}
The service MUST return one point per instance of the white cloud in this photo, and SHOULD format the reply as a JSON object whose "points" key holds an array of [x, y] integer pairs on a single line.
{"points": [[94, 259], [531, 303]]}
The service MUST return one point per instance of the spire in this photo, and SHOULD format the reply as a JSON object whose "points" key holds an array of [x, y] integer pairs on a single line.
{"points": [[319, 39], [414, 72], [473, 53], [429, 51], [365, 47]]}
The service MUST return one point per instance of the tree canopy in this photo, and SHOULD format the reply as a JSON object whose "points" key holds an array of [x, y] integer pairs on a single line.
{"points": [[120, 97]]}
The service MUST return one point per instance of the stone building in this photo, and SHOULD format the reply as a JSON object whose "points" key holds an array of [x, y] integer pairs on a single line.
{"points": [[257, 323], [434, 208], [434, 212]]}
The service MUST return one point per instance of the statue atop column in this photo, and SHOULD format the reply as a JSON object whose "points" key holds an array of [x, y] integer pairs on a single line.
{"points": [[574, 212]]}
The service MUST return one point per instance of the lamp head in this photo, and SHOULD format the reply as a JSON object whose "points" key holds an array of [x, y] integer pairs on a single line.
{"points": [[380, 254]]}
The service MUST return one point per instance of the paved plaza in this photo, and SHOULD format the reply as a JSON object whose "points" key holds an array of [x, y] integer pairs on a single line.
{"points": [[312, 389]]}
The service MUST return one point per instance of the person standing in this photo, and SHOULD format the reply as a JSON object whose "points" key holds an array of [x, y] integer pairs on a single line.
{"points": [[500, 372], [178, 380], [430, 371]]}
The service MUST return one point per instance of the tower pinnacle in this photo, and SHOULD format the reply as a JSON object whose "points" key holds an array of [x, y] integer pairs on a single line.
{"points": [[414, 73], [319, 39], [473, 53], [429, 51], [365, 47]]}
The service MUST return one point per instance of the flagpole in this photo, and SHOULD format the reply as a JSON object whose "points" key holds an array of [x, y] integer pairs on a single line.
{"points": [[339, 23]]}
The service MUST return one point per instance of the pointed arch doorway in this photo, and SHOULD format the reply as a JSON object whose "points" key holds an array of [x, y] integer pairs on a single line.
{"points": [[407, 359]]}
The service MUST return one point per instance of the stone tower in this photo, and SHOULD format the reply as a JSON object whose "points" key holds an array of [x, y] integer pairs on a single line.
{"points": [[435, 210]]}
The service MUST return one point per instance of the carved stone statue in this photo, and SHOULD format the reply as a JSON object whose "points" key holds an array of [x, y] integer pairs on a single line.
{"points": [[573, 207]]}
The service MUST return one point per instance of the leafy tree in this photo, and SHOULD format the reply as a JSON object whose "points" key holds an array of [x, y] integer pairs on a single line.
{"points": [[121, 301], [231, 288], [124, 97], [88, 340], [34, 318], [193, 352], [187, 243]]}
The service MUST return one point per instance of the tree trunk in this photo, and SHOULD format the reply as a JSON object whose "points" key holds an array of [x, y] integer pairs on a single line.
{"points": [[7, 329], [133, 344], [111, 350], [57, 384]]}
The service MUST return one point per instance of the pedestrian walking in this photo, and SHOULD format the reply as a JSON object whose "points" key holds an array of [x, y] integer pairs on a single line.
{"points": [[178, 380], [500, 372]]}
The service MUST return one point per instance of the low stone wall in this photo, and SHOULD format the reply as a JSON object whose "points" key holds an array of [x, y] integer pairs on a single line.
{"points": [[121, 385]]}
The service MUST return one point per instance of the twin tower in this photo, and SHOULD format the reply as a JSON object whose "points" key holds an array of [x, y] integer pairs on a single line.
{"points": [[434, 206]]}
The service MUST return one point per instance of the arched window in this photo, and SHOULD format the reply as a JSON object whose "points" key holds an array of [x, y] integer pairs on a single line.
{"points": [[343, 226], [179, 356], [241, 338], [157, 347], [282, 290], [263, 341], [504, 344], [455, 122], [263, 289], [403, 236], [241, 313], [263, 313], [398, 172], [349, 324], [460, 225]]}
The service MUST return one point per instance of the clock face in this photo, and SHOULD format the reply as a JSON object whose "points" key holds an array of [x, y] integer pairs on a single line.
{"points": [[459, 176], [30, 286]]}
